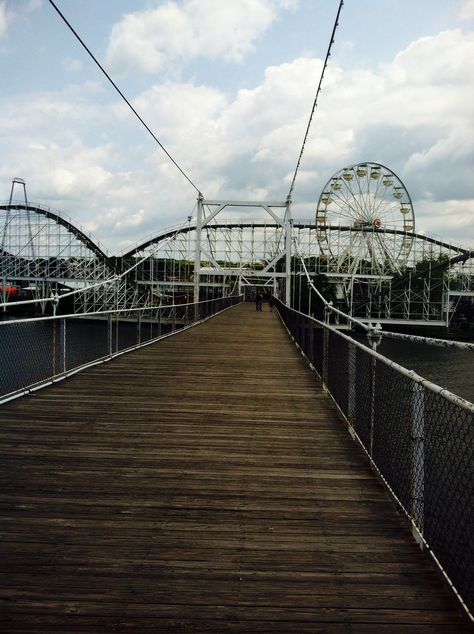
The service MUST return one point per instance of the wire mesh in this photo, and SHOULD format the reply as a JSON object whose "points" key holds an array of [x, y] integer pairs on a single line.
{"points": [[397, 410], [317, 351], [449, 489], [149, 329], [86, 340], [37, 351], [28, 352], [338, 371], [421, 440], [127, 333], [363, 395]]}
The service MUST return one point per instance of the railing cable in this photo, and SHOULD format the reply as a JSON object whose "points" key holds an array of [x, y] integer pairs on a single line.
{"points": [[315, 102], [328, 305], [441, 343], [123, 96]]}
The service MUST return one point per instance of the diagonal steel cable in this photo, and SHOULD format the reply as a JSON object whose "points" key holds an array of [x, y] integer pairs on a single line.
{"points": [[315, 102], [122, 95]]}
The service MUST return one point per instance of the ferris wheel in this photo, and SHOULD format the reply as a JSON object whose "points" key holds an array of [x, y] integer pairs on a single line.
{"points": [[365, 214]]}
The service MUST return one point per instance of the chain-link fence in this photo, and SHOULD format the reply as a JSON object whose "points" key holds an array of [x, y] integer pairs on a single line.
{"points": [[37, 351], [419, 436]]}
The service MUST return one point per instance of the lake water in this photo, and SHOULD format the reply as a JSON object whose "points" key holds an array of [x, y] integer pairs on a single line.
{"points": [[451, 369]]}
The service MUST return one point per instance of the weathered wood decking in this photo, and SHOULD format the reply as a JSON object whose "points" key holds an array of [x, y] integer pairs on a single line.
{"points": [[204, 483]]}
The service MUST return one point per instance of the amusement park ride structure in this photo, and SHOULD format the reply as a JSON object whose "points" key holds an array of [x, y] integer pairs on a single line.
{"points": [[362, 244]]}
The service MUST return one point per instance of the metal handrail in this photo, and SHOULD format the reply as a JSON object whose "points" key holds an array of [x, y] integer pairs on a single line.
{"points": [[376, 330], [61, 345], [364, 385]]}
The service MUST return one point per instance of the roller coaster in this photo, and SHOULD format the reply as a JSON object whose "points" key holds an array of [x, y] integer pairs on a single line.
{"points": [[368, 268]]}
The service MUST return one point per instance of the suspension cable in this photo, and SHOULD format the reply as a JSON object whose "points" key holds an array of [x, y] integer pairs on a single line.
{"points": [[123, 96], [315, 102], [328, 305]]}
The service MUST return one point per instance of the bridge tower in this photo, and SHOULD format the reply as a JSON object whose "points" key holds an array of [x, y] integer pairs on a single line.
{"points": [[268, 275]]}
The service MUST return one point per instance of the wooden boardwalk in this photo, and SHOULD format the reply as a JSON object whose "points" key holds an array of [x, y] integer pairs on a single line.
{"points": [[204, 483]]}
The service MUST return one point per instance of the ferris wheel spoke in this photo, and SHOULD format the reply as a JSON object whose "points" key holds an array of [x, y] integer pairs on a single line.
{"points": [[339, 215], [356, 199], [387, 254], [387, 207], [364, 195], [346, 204]]}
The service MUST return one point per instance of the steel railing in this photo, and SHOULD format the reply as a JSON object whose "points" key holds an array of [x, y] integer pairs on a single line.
{"points": [[419, 438], [36, 352]]}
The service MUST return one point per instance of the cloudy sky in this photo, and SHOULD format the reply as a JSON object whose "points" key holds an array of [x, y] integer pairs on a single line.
{"points": [[227, 86]]}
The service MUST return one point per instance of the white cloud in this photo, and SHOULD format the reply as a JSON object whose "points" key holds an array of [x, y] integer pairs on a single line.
{"points": [[467, 12], [448, 219], [72, 65], [413, 115], [147, 41], [14, 10], [3, 18], [33, 5]]}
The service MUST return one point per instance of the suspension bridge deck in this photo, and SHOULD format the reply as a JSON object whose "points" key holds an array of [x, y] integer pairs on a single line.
{"points": [[203, 483]]}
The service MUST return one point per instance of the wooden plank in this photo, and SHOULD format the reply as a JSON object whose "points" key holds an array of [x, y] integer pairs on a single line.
{"points": [[204, 483]]}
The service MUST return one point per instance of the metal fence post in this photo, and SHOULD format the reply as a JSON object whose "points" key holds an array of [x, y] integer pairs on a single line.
{"points": [[311, 342], [351, 385], [373, 370], [54, 347], [139, 328], [325, 357], [374, 337], [63, 345], [159, 324], [417, 475], [110, 334]]}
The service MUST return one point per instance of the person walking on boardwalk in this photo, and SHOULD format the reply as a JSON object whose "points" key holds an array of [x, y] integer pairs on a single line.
{"points": [[270, 303], [258, 301]]}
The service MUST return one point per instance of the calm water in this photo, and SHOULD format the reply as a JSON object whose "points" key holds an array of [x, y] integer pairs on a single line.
{"points": [[452, 369]]}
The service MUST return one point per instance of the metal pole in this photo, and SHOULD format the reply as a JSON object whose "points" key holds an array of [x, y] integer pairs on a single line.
{"points": [[373, 370], [197, 247], [139, 328], [109, 334], [197, 256], [288, 236], [54, 346], [351, 397], [63, 346], [325, 355], [418, 460]]}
